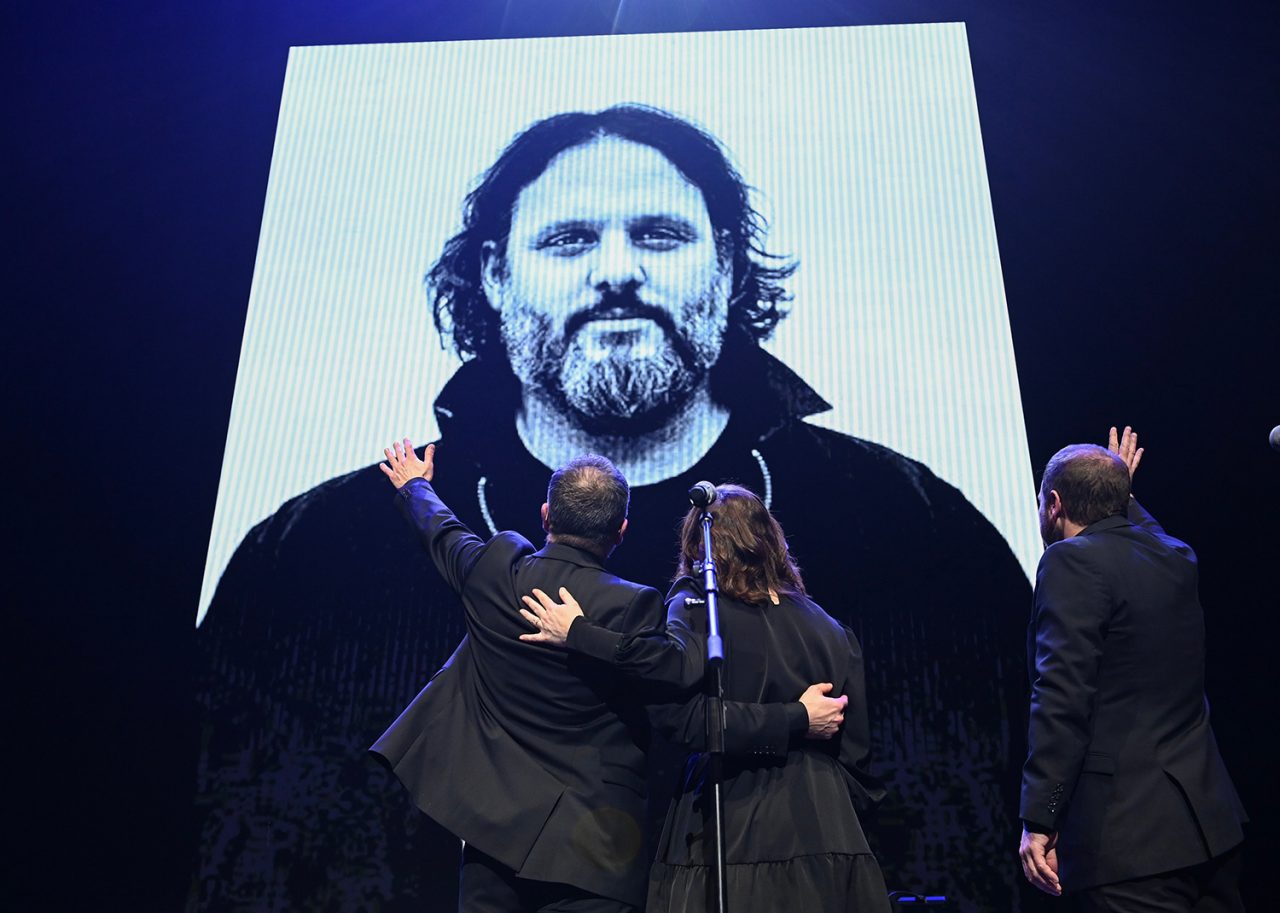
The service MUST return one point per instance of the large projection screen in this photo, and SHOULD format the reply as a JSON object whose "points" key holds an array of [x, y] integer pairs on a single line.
{"points": [[863, 150]]}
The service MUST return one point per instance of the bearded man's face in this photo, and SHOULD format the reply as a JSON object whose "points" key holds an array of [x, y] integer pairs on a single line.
{"points": [[612, 296]]}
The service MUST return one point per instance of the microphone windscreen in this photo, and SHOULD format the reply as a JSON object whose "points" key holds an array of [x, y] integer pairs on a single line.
{"points": [[702, 495]]}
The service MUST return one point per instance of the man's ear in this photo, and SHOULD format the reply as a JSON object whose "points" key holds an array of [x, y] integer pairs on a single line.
{"points": [[493, 273], [622, 531], [546, 527], [1053, 504]]}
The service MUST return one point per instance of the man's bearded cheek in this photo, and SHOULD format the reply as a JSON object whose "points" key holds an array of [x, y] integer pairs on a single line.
{"points": [[532, 348], [624, 384]]}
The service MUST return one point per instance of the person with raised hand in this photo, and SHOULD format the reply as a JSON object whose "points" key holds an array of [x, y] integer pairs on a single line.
{"points": [[1126, 802]]}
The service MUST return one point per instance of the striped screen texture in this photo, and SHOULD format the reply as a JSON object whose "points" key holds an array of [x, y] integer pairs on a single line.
{"points": [[865, 152]]}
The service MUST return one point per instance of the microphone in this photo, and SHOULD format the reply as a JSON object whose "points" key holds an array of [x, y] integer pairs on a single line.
{"points": [[704, 494], [1275, 441]]}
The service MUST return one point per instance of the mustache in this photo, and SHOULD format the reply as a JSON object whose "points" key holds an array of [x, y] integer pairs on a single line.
{"points": [[624, 305]]}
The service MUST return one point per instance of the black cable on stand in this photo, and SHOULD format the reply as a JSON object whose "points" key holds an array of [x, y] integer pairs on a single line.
{"points": [[702, 496]]}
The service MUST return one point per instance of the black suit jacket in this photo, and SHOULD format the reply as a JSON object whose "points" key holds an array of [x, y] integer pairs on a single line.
{"points": [[532, 755], [1122, 762]]}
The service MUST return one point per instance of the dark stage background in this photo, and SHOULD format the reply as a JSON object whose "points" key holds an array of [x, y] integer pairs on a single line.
{"points": [[1132, 157]]}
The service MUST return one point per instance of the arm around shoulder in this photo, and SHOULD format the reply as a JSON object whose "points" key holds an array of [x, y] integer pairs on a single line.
{"points": [[668, 656]]}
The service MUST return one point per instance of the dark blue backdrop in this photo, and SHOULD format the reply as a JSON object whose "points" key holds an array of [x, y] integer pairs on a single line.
{"points": [[1132, 156]]}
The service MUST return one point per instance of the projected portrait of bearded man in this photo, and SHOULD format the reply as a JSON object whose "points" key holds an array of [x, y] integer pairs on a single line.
{"points": [[604, 277], [609, 292]]}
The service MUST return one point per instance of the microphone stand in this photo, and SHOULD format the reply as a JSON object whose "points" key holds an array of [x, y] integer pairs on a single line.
{"points": [[715, 705]]}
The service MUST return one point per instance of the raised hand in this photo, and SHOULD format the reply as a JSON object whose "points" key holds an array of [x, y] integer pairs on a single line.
{"points": [[1126, 447], [405, 465], [826, 714], [551, 618]]}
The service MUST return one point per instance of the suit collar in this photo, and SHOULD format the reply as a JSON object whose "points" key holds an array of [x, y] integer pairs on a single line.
{"points": [[1104, 524], [561, 552]]}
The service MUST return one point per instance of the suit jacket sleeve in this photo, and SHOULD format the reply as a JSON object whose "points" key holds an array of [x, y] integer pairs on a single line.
{"points": [[453, 547], [1141, 518], [660, 655], [1069, 622], [750, 730]]}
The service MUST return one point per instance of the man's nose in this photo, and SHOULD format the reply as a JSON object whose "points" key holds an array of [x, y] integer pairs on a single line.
{"points": [[617, 263]]}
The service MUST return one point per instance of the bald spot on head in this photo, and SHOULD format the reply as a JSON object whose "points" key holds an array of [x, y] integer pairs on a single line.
{"points": [[1092, 482], [587, 502]]}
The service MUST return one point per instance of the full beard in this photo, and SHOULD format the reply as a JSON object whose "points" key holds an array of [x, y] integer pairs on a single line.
{"points": [[624, 383], [623, 388], [1048, 534]]}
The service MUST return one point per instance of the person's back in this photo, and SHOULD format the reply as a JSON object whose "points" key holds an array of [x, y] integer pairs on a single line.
{"points": [[557, 703], [1126, 801], [792, 838], [1152, 670], [1151, 752], [534, 759], [773, 651]]}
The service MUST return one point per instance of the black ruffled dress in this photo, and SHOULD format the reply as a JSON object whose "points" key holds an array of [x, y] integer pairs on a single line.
{"points": [[791, 804]]}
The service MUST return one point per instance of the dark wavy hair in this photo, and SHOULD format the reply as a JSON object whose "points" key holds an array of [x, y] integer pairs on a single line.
{"points": [[749, 547], [464, 316]]}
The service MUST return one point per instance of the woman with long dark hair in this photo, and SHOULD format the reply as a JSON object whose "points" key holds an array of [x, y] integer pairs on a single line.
{"points": [[792, 836]]}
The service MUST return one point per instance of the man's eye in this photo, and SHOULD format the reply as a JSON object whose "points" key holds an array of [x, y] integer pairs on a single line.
{"points": [[659, 237], [567, 243]]}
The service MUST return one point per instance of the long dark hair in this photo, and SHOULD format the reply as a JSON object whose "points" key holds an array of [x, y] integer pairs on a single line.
{"points": [[463, 315], [749, 547]]}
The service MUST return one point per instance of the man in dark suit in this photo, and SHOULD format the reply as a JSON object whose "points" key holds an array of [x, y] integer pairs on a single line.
{"points": [[1126, 802], [531, 756]]}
